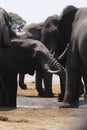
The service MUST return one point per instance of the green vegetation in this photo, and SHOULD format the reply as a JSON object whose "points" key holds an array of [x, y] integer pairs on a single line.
{"points": [[17, 22]]}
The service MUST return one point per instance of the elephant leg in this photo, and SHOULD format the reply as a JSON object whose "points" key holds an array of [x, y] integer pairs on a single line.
{"points": [[2, 98], [48, 84], [8, 87], [72, 90], [61, 95], [62, 90], [11, 92], [10, 81], [39, 87], [73, 79], [2, 93], [62, 77], [21, 81]]}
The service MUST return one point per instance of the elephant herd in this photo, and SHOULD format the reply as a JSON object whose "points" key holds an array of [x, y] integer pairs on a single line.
{"points": [[56, 46]]}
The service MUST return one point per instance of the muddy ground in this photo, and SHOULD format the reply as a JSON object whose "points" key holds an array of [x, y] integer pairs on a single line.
{"points": [[35, 113]]}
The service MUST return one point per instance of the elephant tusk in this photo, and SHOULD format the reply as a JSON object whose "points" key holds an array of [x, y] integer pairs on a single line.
{"points": [[53, 71], [16, 40], [64, 53]]}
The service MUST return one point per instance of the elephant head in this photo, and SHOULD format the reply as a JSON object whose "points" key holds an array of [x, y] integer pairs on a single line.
{"points": [[31, 31], [29, 55], [65, 22], [49, 33]]}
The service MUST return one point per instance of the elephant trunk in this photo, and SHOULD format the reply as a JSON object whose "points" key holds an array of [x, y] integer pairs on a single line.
{"points": [[61, 72], [55, 65], [52, 65]]}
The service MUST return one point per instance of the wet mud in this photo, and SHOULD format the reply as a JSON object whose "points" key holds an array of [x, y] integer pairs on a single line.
{"points": [[38, 113]]}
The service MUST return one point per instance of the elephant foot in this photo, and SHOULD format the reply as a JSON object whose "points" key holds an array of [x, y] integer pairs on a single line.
{"points": [[68, 105], [60, 98], [49, 95], [44, 94], [41, 94]]}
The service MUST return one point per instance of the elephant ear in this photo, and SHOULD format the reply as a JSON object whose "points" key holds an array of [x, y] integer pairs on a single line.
{"points": [[16, 40], [25, 43], [67, 15], [31, 52], [6, 37]]}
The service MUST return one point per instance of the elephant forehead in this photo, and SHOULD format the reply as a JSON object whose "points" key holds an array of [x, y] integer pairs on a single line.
{"points": [[68, 9]]}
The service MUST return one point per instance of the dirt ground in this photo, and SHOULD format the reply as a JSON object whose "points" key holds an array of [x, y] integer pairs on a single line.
{"points": [[42, 118]]}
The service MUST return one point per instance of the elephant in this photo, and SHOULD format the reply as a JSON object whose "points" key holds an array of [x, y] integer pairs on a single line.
{"points": [[6, 75], [31, 31], [72, 26], [50, 38], [48, 34], [25, 56]]}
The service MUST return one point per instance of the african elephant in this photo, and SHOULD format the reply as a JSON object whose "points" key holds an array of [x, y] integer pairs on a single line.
{"points": [[26, 56], [31, 31], [50, 38], [6, 75], [46, 32], [72, 25]]}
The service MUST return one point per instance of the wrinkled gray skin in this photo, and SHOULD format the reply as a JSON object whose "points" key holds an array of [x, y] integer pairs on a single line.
{"points": [[52, 39], [32, 31], [26, 56], [73, 23], [7, 76], [49, 36]]}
